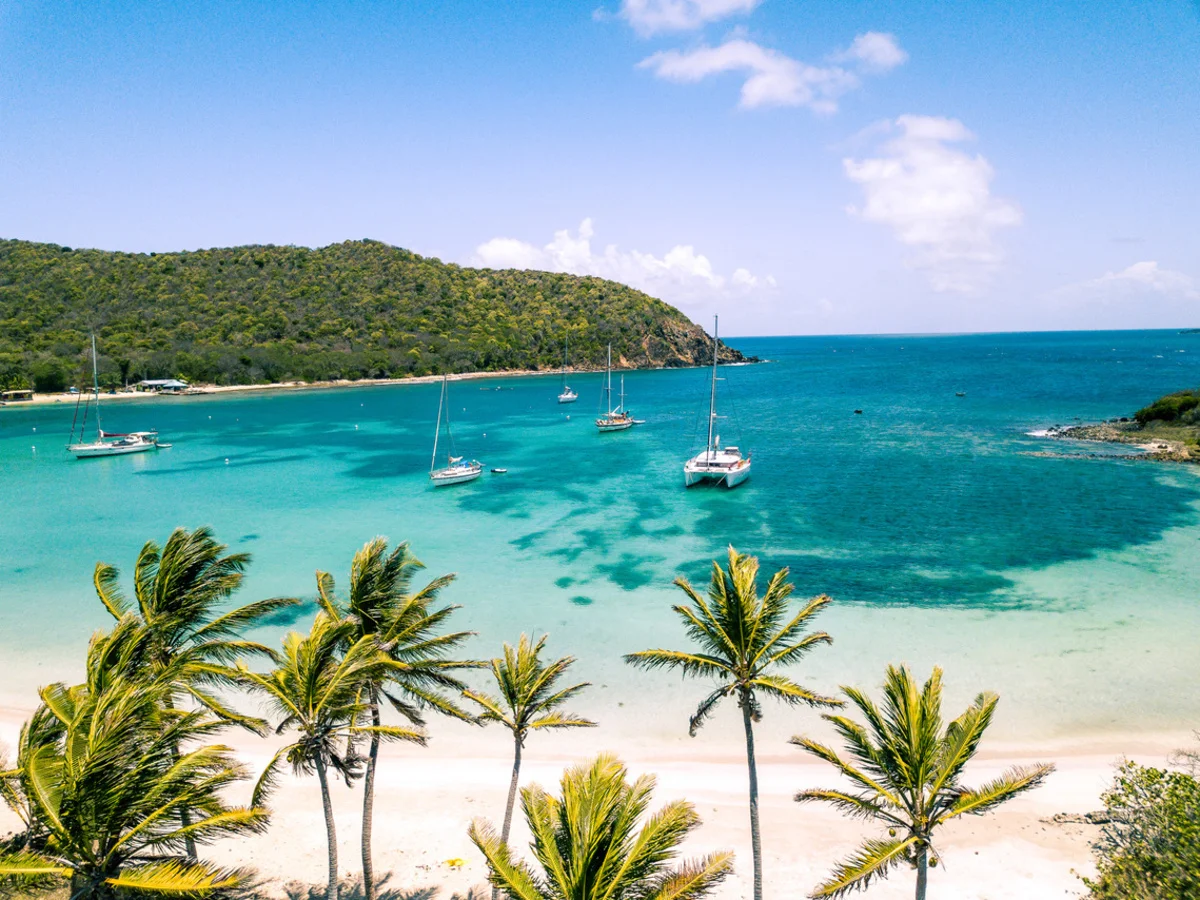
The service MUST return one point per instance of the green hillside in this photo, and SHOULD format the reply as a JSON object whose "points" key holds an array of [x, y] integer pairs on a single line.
{"points": [[360, 309]]}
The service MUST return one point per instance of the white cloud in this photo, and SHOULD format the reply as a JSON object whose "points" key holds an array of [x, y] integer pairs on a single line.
{"points": [[681, 275], [1147, 276], [1143, 295], [776, 79], [937, 200], [876, 51], [649, 17]]}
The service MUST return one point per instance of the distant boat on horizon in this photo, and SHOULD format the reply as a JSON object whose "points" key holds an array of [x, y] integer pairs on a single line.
{"points": [[721, 465], [456, 471], [107, 443], [567, 395]]}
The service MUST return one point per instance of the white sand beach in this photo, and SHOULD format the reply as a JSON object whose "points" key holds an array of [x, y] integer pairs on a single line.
{"points": [[427, 797]]}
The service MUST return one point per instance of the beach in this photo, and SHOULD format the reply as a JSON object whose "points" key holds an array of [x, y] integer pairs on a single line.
{"points": [[200, 390], [427, 797]]}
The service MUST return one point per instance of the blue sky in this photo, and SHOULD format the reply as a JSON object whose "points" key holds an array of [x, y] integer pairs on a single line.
{"points": [[800, 167]]}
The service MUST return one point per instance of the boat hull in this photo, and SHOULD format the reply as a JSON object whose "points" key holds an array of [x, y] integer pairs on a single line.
{"points": [[455, 475], [719, 468], [90, 451], [623, 425], [567, 398]]}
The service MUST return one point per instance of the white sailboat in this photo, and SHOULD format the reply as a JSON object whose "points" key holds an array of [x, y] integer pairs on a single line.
{"points": [[616, 419], [722, 465], [567, 395], [456, 470], [107, 443]]}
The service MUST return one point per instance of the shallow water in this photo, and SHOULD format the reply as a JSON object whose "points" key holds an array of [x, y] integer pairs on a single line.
{"points": [[1068, 584]]}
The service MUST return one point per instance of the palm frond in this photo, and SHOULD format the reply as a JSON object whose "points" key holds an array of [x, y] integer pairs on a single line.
{"points": [[871, 863], [694, 879], [175, 877], [987, 797], [31, 865]]}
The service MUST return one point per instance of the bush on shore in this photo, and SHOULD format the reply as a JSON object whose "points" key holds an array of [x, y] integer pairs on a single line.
{"points": [[1150, 849]]}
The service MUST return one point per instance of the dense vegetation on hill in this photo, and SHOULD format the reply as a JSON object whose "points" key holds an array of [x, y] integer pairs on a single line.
{"points": [[360, 309]]}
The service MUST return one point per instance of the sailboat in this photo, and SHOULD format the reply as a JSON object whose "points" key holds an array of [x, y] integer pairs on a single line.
{"points": [[107, 443], [567, 395], [616, 419], [722, 465], [456, 471]]}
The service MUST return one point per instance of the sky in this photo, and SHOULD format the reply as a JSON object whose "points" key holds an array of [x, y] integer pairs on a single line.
{"points": [[798, 166]]}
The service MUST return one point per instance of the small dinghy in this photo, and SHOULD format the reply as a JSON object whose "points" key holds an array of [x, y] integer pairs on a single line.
{"points": [[499, 471]]}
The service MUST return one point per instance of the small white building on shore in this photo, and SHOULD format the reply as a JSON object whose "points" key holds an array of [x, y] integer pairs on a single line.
{"points": [[163, 386]]}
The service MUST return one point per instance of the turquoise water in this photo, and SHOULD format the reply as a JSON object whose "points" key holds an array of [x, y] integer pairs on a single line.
{"points": [[1068, 583]]}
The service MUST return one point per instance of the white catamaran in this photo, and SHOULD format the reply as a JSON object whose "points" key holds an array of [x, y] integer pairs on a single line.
{"points": [[617, 418], [723, 465], [107, 443], [567, 395], [456, 470]]}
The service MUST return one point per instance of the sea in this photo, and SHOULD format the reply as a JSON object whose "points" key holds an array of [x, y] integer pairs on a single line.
{"points": [[900, 475]]}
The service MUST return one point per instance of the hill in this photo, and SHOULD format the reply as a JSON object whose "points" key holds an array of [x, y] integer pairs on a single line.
{"points": [[359, 309]]}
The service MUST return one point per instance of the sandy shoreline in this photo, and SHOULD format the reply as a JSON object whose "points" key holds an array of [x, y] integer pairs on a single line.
{"points": [[215, 390], [427, 797]]}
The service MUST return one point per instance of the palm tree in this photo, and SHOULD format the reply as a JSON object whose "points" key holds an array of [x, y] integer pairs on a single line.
{"points": [[528, 702], [318, 692], [741, 640], [179, 591], [106, 782], [381, 604], [589, 845], [905, 769]]}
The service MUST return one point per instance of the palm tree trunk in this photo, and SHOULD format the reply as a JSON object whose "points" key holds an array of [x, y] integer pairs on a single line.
{"points": [[185, 817], [331, 892], [922, 872], [512, 800], [755, 839], [369, 802]]}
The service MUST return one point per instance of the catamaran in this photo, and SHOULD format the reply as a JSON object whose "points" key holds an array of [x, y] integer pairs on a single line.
{"points": [[616, 419], [107, 443], [567, 395], [456, 471], [722, 465]]}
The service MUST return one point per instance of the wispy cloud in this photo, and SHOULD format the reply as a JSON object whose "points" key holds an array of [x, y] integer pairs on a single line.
{"points": [[1141, 278], [681, 275], [772, 78], [648, 17], [1143, 295], [937, 200]]}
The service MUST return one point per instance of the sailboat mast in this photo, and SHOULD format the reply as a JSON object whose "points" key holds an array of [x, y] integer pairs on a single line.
{"points": [[96, 387], [566, 352], [438, 428], [608, 381], [712, 396], [621, 405]]}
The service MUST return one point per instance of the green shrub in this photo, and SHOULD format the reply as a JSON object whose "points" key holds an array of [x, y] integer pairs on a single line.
{"points": [[1169, 408], [1150, 849]]}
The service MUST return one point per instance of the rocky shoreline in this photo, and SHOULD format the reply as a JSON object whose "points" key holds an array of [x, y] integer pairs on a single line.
{"points": [[1152, 443]]}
